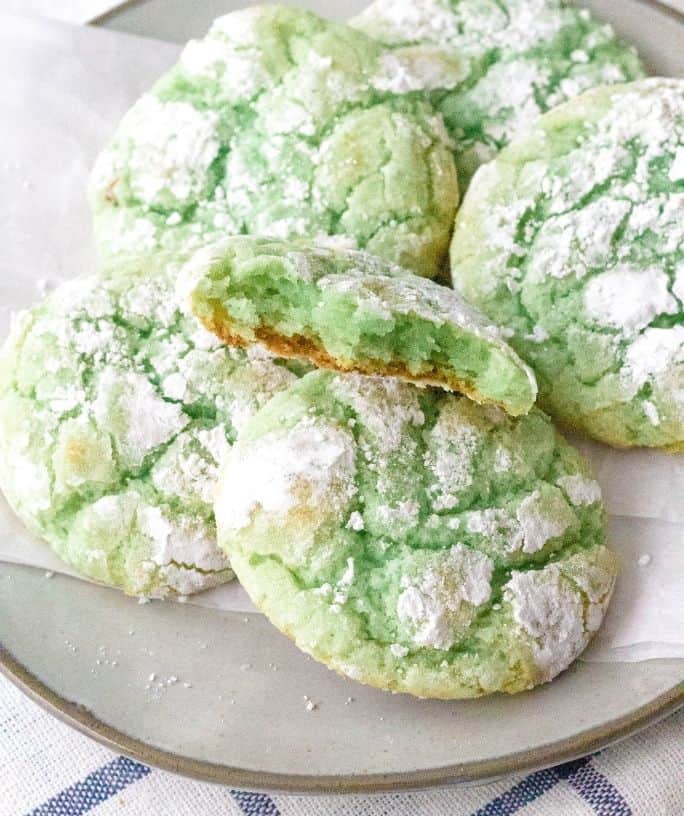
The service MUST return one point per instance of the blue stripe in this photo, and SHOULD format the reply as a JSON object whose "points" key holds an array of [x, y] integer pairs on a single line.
{"points": [[526, 791], [604, 798], [255, 804], [94, 789], [599, 792], [568, 769]]}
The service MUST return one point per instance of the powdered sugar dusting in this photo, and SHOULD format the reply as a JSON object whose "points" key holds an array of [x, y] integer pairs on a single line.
{"points": [[454, 442], [312, 463], [543, 518], [417, 69], [655, 353], [174, 145], [140, 420], [440, 605], [501, 530], [581, 490], [551, 613], [386, 407], [628, 299]]}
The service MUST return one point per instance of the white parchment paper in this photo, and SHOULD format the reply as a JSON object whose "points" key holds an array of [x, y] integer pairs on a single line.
{"points": [[62, 89], [69, 11]]}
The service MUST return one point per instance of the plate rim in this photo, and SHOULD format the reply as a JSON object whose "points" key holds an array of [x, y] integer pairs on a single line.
{"points": [[593, 739], [585, 742]]}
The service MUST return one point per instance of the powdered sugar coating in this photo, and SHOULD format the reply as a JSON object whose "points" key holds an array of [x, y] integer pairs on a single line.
{"points": [[332, 509], [559, 610], [629, 299], [115, 412], [541, 598], [440, 606], [542, 519], [454, 442], [585, 242], [521, 58], [174, 146], [313, 463], [580, 490], [386, 409], [262, 135]]}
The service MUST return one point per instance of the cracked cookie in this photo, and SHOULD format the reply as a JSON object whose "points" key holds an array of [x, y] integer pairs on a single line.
{"points": [[521, 58], [115, 410], [413, 540], [280, 123], [350, 311], [573, 240]]}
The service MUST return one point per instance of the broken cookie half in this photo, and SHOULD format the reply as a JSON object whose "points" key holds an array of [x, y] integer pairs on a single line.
{"points": [[350, 311]]}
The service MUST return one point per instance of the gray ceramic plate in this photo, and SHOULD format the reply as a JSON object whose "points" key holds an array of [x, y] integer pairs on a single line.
{"points": [[236, 712]]}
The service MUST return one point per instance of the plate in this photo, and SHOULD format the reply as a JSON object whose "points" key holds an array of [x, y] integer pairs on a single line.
{"points": [[222, 696]]}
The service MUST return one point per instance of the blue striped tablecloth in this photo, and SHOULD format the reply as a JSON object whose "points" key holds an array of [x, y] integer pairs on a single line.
{"points": [[46, 769]]}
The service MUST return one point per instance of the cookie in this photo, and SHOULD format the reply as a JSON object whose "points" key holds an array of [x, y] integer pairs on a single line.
{"points": [[282, 124], [350, 311], [413, 540], [523, 57], [573, 239], [115, 410]]}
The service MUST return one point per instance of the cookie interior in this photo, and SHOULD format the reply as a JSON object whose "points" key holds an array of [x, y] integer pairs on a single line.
{"points": [[350, 312]]}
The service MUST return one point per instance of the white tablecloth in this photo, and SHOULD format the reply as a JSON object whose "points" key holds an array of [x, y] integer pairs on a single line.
{"points": [[47, 769]]}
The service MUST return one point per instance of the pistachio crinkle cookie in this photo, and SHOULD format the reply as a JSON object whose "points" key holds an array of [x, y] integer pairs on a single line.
{"points": [[413, 540], [573, 239], [350, 311], [522, 58], [280, 123], [115, 410]]}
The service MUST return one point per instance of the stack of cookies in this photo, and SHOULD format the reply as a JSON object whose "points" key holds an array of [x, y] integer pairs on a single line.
{"points": [[271, 375]]}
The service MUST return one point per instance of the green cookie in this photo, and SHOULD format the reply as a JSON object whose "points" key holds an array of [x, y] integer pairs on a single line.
{"points": [[413, 540], [280, 123], [115, 410], [350, 311], [573, 239], [522, 58]]}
